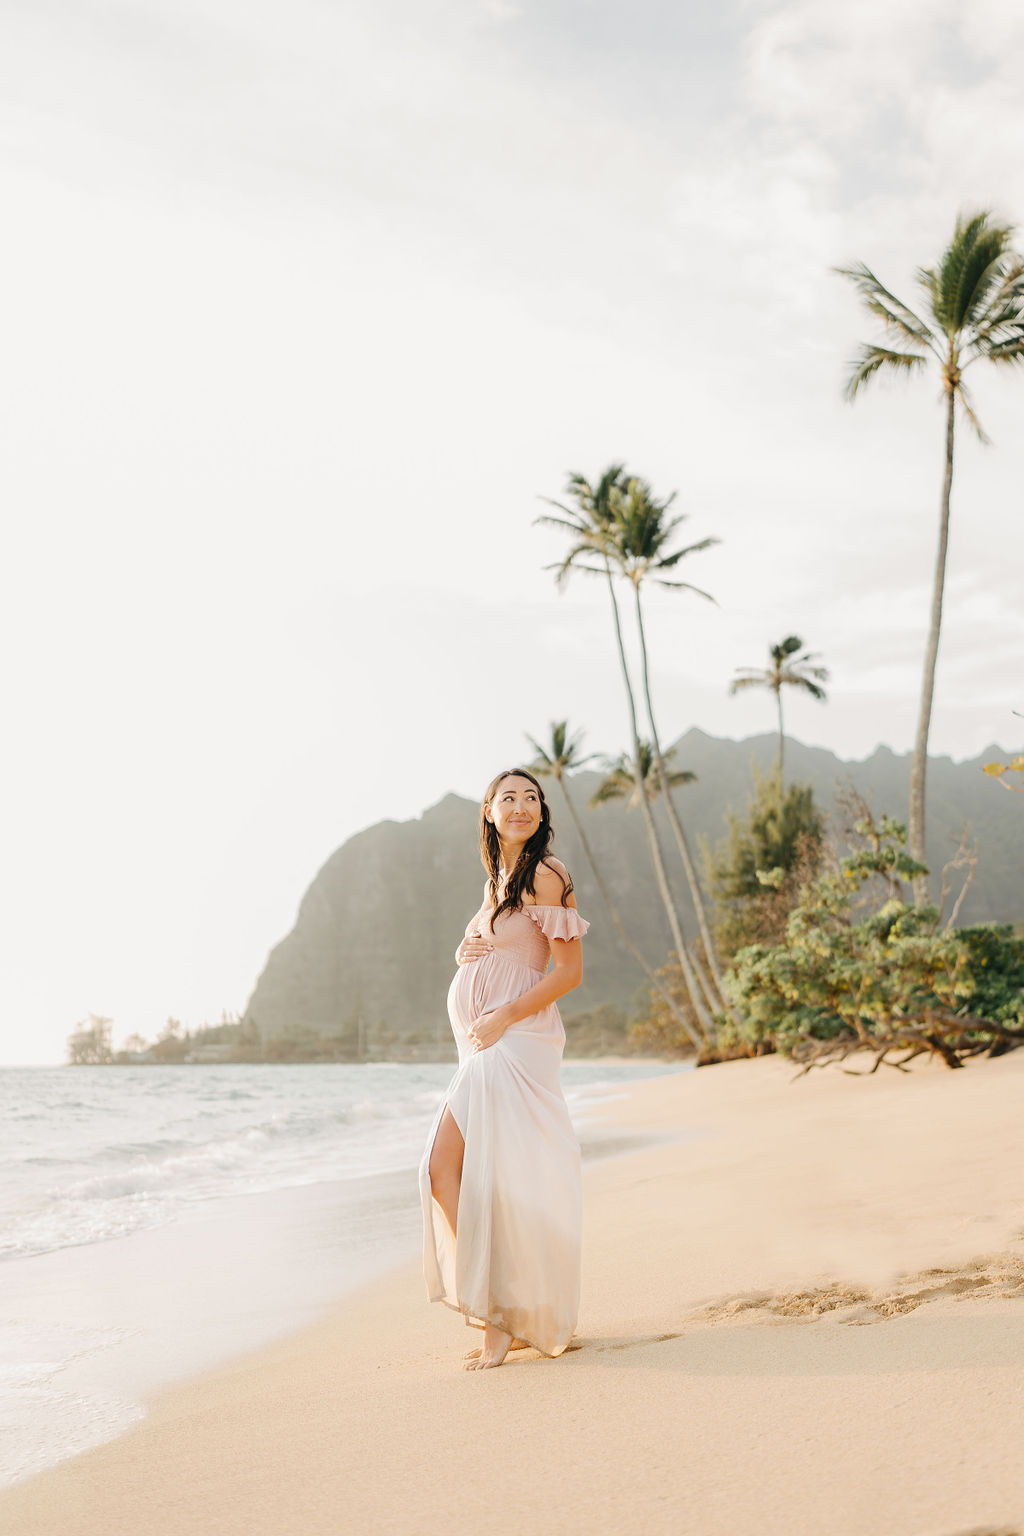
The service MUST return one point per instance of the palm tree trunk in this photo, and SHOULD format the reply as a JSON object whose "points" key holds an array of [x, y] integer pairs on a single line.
{"points": [[782, 739], [652, 977], [714, 999], [919, 762], [664, 889], [676, 824]]}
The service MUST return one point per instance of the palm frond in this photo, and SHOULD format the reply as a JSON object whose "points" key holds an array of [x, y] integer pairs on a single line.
{"points": [[999, 328], [752, 680], [571, 562], [542, 763], [669, 561], [564, 752], [961, 284], [873, 358], [1010, 282], [968, 410], [1004, 306], [591, 543], [602, 493], [804, 681], [893, 321], [622, 779], [998, 344], [569, 745], [808, 663], [928, 279], [1011, 351], [987, 284], [564, 568], [983, 266], [641, 534], [889, 309], [942, 281], [1004, 326], [571, 521], [686, 586], [616, 786]]}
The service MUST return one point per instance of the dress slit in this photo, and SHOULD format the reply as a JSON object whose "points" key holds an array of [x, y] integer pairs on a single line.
{"points": [[447, 1106]]}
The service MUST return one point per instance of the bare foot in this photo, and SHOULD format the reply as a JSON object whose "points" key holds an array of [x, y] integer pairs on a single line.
{"points": [[495, 1348], [474, 1354]]}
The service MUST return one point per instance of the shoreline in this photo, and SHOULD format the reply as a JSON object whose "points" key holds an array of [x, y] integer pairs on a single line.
{"points": [[92, 1331], [789, 1317]]}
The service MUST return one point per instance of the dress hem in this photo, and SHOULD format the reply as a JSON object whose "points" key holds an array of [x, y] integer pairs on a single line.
{"points": [[467, 1312]]}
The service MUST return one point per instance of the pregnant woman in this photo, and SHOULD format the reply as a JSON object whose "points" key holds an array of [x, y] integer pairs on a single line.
{"points": [[500, 1177]]}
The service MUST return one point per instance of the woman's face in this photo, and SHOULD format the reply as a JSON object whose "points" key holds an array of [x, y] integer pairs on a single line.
{"points": [[515, 810]]}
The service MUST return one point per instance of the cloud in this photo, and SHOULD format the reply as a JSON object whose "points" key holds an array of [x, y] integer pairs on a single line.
{"points": [[912, 99], [820, 64]]}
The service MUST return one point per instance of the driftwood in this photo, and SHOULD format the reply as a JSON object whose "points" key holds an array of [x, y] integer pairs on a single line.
{"points": [[937, 1032]]}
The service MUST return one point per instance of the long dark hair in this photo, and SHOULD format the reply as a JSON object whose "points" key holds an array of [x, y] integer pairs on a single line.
{"points": [[532, 853]]}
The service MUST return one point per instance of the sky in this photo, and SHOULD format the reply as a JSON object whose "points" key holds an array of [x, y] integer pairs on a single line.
{"points": [[309, 305]]}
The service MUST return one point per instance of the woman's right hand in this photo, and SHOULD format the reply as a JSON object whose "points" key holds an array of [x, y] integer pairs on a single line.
{"points": [[474, 947]]}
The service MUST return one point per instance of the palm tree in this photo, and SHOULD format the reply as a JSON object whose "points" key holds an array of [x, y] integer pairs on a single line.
{"points": [[639, 538], [590, 522], [788, 669], [974, 304], [559, 759], [622, 782]]}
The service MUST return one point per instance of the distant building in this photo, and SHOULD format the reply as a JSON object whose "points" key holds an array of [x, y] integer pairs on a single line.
{"points": [[201, 1054]]}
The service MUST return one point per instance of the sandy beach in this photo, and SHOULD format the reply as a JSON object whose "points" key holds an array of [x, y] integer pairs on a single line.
{"points": [[803, 1315]]}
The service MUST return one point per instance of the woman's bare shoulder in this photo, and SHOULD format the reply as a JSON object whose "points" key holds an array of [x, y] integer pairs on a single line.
{"points": [[550, 882]]}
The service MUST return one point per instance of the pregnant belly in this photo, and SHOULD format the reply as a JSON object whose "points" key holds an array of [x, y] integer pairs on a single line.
{"points": [[486, 984]]}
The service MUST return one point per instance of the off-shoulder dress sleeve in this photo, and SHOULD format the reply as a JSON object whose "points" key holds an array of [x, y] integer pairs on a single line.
{"points": [[559, 922]]}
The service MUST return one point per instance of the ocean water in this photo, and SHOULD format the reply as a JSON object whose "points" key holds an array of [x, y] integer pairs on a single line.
{"points": [[96, 1153], [156, 1220]]}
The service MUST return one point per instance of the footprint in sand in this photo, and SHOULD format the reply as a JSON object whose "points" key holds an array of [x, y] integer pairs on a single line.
{"points": [[995, 1275]]}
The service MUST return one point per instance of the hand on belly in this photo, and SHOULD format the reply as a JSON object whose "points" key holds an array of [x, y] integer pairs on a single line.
{"points": [[486, 1030]]}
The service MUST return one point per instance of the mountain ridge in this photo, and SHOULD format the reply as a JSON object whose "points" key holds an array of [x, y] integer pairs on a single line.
{"points": [[374, 937]]}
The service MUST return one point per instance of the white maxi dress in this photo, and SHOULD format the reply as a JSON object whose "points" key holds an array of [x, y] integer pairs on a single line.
{"points": [[516, 1262]]}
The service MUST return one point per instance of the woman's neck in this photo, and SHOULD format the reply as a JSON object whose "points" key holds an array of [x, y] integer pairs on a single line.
{"points": [[507, 860]]}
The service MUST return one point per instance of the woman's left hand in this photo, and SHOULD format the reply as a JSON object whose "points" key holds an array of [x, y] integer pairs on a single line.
{"points": [[486, 1030]]}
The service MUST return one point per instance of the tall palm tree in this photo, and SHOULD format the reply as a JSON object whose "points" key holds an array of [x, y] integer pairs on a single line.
{"points": [[974, 309], [589, 522], [563, 756], [640, 537], [622, 782], [788, 668]]}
